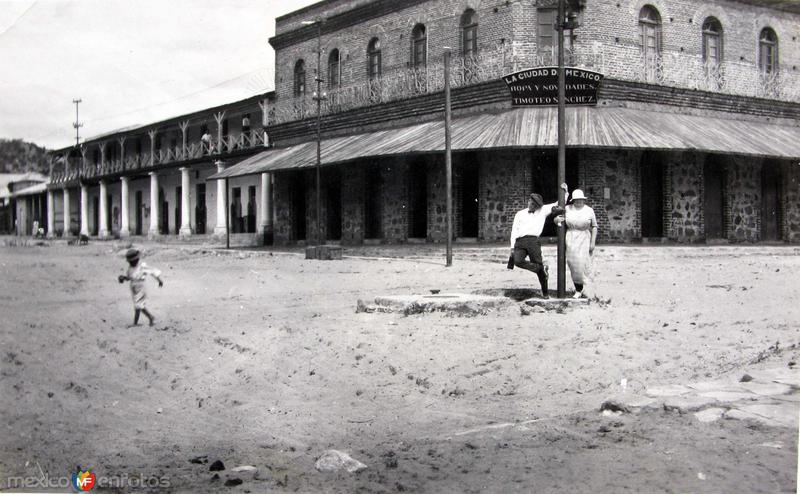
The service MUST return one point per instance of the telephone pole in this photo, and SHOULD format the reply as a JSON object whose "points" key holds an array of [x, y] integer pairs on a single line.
{"points": [[77, 123]]}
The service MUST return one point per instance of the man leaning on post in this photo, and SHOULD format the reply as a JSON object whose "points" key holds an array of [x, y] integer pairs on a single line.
{"points": [[525, 232]]}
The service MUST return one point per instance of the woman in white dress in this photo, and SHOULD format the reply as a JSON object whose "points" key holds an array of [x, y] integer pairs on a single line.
{"points": [[581, 236]]}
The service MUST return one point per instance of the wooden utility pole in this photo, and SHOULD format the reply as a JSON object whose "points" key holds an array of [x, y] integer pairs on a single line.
{"points": [[561, 259], [448, 158], [77, 123]]}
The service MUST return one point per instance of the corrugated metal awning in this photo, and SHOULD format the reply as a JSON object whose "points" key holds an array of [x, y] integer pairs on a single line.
{"points": [[587, 127]]}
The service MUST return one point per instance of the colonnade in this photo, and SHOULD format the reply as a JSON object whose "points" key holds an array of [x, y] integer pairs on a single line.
{"points": [[185, 230]]}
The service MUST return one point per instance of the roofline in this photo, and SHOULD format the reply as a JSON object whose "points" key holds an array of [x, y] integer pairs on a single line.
{"points": [[160, 123]]}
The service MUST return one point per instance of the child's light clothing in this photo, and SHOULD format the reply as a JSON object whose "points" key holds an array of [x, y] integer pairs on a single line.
{"points": [[137, 275]]}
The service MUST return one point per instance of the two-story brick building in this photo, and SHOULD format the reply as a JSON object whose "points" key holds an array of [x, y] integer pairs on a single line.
{"points": [[695, 137]]}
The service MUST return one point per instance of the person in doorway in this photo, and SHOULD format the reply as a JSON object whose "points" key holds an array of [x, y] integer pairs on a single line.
{"points": [[137, 274], [581, 236], [525, 232]]}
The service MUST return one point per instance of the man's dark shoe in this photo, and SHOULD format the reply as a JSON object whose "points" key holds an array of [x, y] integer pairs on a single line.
{"points": [[545, 295]]}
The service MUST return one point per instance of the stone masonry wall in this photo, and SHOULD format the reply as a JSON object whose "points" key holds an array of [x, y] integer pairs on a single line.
{"points": [[353, 190], [618, 216], [505, 183], [282, 233], [437, 199], [394, 210], [743, 205], [791, 201], [684, 209]]}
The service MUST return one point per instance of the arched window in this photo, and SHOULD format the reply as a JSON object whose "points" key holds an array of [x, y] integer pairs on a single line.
{"points": [[768, 51], [334, 70], [374, 58], [469, 33], [419, 47], [650, 30], [712, 41], [300, 78]]}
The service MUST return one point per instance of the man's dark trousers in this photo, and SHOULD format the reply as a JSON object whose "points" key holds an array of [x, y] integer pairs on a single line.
{"points": [[529, 246]]}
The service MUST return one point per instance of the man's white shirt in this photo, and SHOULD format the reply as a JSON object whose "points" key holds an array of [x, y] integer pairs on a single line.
{"points": [[527, 223]]}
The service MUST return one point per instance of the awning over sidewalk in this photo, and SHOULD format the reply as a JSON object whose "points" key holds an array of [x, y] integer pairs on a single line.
{"points": [[587, 127]]}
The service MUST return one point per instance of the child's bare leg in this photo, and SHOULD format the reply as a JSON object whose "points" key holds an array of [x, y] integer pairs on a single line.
{"points": [[136, 317], [149, 316]]}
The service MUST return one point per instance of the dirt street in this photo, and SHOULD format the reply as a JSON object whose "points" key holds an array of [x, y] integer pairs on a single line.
{"points": [[260, 359]]}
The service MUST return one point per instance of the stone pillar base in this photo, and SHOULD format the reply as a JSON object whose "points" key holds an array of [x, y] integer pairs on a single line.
{"points": [[185, 231], [220, 231], [124, 233], [104, 234], [153, 234]]}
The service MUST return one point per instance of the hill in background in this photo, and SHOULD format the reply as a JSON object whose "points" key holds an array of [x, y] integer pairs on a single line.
{"points": [[18, 156]]}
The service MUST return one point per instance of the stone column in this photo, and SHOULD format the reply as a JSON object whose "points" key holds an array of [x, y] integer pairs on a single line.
{"points": [[84, 210], [186, 226], [51, 214], [154, 206], [222, 203], [124, 227], [66, 212], [103, 228], [265, 227]]}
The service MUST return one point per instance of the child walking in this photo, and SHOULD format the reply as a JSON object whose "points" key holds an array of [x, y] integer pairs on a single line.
{"points": [[137, 273]]}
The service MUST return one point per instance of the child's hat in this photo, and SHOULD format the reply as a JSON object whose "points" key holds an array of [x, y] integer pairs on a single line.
{"points": [[132, 255]]}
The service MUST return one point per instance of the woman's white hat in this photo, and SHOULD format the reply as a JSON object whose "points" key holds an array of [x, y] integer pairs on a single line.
{"points": [[578, 194]]}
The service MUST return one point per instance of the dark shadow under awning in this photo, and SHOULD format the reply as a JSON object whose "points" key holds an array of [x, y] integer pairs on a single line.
{"points": [[587, 127]]}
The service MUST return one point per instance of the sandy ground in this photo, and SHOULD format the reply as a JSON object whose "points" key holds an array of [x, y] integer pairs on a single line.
{"points": [[260, 359]]}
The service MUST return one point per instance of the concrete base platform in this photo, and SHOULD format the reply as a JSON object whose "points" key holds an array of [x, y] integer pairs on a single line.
{"points": [[456, 303], [557, 303], [324, 252]]}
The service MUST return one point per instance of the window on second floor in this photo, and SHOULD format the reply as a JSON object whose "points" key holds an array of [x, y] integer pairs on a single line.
{"points": [[650, 30], [712, 41], [419, 47], [768, 51], [300, 78], [334, 70], [545, 29], [374, 58], [469, 33]]}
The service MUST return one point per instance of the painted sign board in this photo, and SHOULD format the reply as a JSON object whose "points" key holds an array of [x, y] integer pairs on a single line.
{"points": [[539, 86]]}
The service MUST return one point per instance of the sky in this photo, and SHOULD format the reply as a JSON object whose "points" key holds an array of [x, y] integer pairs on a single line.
{"points": [[130, 62]]}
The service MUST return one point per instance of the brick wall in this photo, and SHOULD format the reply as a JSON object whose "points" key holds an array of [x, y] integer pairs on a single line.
{"points": [[441, 19]]}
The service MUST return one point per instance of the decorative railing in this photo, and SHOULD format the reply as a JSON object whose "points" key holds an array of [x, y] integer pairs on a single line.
{"points": [[629, 64], [76, 168]]}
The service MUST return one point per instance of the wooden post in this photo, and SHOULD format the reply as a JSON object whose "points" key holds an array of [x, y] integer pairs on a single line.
{"points": [[561, 259], [152, 134], [448, 158], [184, 131]]}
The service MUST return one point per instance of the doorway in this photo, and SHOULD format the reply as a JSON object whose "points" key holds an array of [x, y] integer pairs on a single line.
{"points": [[771, 201], [163, 226], [95, 215], [714, 200], [333, 204], [236, 210], [251, 209], [652, 180], [418, 199], [178, 209], [373, 193], [138, 214], [470, 191], [200, 210]]}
